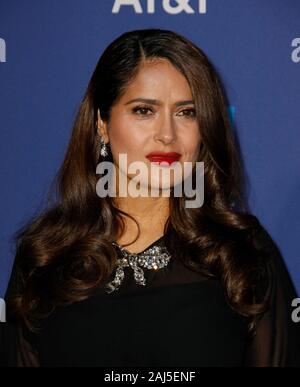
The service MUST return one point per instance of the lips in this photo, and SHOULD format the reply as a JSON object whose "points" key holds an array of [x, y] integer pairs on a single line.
{"points": [[159, 157]]}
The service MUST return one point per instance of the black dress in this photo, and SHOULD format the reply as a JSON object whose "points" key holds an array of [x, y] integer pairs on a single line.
{"points": [[179, 318]]}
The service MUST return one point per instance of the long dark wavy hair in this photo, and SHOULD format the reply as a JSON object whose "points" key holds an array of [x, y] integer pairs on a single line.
{"points": [[63, 254]]}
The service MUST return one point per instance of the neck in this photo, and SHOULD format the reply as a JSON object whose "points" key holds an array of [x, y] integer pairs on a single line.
{"points": [[144, 209], [151, 215]]}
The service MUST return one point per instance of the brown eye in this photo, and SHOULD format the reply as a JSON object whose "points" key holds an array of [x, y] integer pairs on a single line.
{"points": [[142, 110], [190, 113]]}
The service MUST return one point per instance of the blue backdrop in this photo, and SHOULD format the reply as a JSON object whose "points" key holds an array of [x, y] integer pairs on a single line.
{"points": [[49, 48]]}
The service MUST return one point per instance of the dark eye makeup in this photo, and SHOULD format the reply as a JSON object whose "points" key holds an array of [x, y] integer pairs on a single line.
{"points": [[188, 112]]}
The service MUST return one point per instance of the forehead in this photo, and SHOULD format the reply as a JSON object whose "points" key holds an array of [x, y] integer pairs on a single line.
{"points": [[159, 76]]}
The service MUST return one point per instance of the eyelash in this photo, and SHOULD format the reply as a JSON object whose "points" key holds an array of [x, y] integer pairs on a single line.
{"points": [[142, 107]]}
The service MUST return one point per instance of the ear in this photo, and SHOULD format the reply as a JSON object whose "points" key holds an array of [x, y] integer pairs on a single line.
{"points": [[102, 128]]}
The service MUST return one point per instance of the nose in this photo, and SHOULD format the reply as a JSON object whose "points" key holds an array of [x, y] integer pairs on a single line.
{"points": [[166, 132]]}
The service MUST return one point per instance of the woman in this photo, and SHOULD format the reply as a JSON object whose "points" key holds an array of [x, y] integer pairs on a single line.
{"points": [[146, 280]]}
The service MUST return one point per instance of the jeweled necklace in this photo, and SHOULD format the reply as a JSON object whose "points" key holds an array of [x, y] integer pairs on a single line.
{"points": [[155, 257]]}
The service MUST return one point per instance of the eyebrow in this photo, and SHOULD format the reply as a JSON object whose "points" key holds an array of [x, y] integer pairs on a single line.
{"points": [[157, 102]]}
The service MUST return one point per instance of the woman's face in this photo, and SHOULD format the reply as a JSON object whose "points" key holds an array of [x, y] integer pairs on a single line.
{"points": [[164, 123]]}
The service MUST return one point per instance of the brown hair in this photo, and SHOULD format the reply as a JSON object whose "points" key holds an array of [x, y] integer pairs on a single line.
{"points": [[64, 253]]}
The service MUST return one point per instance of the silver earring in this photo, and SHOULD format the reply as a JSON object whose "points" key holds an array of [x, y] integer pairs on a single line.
{"points": [[103, 148]]}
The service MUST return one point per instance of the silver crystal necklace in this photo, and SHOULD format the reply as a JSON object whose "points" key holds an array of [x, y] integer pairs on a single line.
{"points": [[154, 257]]}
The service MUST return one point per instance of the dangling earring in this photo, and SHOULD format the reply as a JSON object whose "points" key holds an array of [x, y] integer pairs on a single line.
{"points": [[103, 148]]}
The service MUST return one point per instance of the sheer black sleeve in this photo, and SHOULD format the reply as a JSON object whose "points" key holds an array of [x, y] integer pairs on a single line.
{"points": [[277, 339], [17, 350]]}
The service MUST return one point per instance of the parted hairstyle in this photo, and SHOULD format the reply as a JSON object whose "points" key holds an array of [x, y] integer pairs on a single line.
{"points": [[64, 252]]}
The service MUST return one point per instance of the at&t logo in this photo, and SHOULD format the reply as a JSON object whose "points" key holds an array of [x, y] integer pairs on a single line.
{"points": [[172, 7]]}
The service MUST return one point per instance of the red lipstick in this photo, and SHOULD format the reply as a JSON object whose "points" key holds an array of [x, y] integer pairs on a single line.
{"points": [[169, 157]]}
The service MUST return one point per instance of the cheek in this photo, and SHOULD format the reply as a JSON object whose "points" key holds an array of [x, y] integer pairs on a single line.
{"points": [[192, 144], [126, 140]]}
